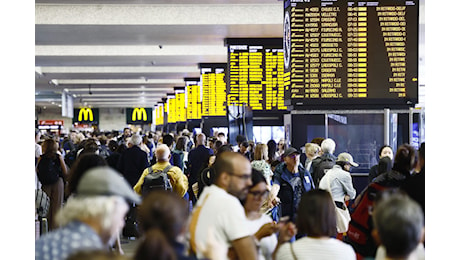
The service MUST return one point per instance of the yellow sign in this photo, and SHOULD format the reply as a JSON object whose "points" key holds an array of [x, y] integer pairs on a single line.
{"points": [[139, 112], [85, 114]]}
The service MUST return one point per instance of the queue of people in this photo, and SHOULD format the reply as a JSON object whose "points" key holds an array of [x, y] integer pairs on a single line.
{"points": [[252, 201]]}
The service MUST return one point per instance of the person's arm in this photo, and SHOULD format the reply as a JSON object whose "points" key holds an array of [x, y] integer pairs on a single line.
{"points": [[245, 248], [347, 184], [63, 166], [138, 187], [287, 231], [179, 181]]}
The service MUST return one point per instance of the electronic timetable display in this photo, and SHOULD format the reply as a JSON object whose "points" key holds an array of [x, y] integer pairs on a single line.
{"points": [[159, 114], [180, 103], [255, 73], [193, 98], [171, 108], [351, 53], [214, 89]]}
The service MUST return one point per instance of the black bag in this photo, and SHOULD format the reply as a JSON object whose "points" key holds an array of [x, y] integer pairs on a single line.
{"points": [[320, 169], [48, 170], [156, 180]]}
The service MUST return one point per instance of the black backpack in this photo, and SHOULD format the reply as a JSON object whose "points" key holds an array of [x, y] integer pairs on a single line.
{"points": [[320, 169], [48, 170], [156, 180]]}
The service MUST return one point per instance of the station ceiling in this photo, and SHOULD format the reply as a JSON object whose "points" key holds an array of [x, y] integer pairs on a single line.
{"points": [[114, 53]]}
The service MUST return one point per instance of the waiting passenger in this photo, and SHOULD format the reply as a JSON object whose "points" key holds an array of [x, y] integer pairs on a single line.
{"points": [[92, 219], [219, 207], [290, 181], [316, 219], [280, 149], [384, 152], [163, 219], [312, 151], [177, 178], [399, 226], [271, 151], [133, 161], [51, 172], [414, 186], [325, 162], [261, 225], [84, 163], [198, 159], [260, 162], [404, 163], [339, 183]]}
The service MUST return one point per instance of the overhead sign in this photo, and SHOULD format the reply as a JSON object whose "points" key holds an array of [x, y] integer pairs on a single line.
{"points": [[214, 88], [86, 115], [351, 54], [255, 73], [139, 115], [159, 114]]}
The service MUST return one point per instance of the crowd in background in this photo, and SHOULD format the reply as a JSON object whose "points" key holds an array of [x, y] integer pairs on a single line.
{"points": [[248, 201]]}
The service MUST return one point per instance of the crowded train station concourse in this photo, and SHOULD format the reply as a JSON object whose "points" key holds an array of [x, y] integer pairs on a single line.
{"points": [[258, 129]]}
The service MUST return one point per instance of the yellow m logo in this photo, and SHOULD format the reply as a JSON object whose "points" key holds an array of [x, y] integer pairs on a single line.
{"points": [[139, 112], [85, 114]]}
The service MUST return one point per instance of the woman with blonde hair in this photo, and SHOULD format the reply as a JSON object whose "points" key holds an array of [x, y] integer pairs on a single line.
{"points": [[260, 161]]}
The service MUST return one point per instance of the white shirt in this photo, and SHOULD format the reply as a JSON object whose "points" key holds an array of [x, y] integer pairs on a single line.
{"points": [[267, 244], [224, 213], [341, 183], [318, 249]]}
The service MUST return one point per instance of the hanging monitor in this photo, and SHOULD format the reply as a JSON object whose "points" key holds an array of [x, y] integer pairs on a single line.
{"points": [[351, 54]]}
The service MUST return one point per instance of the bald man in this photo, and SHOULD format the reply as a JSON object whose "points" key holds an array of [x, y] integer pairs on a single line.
{"points": [[177, 178], [198, 159], [220, 210]]}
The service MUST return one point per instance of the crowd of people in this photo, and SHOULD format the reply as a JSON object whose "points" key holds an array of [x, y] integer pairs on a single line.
{"points": [[197, 197]]}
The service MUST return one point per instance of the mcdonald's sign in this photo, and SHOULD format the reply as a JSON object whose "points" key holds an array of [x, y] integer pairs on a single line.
{"points": [[139, 115], [86, 115]]}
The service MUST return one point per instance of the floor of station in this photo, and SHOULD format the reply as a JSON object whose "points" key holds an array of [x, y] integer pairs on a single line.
{"points": [[129, 246]]}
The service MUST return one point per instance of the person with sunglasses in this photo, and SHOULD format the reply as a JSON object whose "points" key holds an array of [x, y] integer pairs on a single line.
{"points": [[290, 181]]}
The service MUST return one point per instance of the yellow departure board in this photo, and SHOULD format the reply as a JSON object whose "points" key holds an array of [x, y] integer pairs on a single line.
{"points": [[214, 88], [351, 53], [193, 101], [255, 73], [181, 115], [159, 114], [171, 108]]}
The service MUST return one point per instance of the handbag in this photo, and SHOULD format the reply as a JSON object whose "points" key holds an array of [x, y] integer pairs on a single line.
{"points": [[342, 215]]}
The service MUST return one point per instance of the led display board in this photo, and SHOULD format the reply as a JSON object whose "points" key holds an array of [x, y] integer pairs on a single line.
{"points": [[214, 88], [159, 114], [171, 108], [255, 73], [181, 115], [193, 98], [348, 54]]}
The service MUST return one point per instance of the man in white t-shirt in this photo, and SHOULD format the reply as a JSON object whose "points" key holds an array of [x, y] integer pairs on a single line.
{"points": [[219, 209]]}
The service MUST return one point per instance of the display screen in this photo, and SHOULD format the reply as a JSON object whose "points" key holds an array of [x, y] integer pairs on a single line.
{"points": [[193, 98], [159, 114], [181, 113], [340, 53], [86, 115], [214, 89], [171, 108], [255, 73]]}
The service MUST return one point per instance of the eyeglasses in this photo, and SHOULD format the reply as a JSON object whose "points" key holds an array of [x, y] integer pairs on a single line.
{"points": [[259, 194], [244, 177]]}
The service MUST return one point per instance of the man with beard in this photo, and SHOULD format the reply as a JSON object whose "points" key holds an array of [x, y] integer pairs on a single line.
{"points": [[219, 210]]}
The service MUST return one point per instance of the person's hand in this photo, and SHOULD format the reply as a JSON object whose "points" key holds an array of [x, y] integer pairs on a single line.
{"points": [[287, 231], [267, 230]]}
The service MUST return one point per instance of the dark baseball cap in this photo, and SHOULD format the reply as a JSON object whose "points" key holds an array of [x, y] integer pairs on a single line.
{"points": [[290, 151]]}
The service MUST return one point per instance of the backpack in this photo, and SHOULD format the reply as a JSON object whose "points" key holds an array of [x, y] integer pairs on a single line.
{"points": [[156, 180], [42, 203], [361, 225], [320, 169], [48, 170]]}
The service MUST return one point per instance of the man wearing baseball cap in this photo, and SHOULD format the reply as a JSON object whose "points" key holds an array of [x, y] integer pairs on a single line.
{"points": [[92, 218], [290, 181]]}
